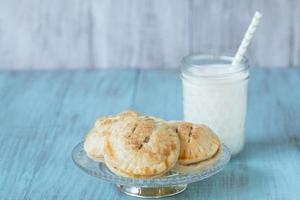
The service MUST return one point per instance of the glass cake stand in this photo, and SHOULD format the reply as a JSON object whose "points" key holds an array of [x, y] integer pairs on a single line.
{"points": [[171, 184]]}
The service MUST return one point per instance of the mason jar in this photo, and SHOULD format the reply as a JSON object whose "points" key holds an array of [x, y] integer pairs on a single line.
{"points": [[215, 94]]}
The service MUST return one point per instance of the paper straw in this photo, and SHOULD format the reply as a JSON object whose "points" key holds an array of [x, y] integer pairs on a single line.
{"points": [[247, 39]]}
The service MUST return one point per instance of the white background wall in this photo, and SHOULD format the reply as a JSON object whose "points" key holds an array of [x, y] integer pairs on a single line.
{"points": [[143, 33]]}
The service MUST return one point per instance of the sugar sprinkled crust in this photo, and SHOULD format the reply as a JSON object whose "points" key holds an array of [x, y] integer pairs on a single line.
{"points": [[106, 122], [94, 145], [141, 147], [147, 147], [197, 142], [196, 167], [94, 141]]}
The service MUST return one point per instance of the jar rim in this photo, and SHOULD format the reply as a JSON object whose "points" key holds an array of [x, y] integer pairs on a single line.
{"points": [[219, 67]]}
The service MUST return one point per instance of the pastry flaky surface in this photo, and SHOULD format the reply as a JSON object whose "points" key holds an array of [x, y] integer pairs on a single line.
{"points": [[197, 142], [106, 122], [202, 165], [141, 147], [137, 146], [94, 141], [94, 145]]}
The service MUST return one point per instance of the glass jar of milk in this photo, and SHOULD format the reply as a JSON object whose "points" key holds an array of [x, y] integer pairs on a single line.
{"points": [[215, 94]]}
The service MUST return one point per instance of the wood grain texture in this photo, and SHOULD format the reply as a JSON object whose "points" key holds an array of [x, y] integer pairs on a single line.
{"points": [[219, 26], [140, 33], [143, 33], [44, 114], [48, 34], [295, 29]]}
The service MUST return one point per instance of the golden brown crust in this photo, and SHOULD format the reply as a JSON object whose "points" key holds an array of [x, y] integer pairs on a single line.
{"points": [[144, 147], [129, 113], [197, 142], [94, 145], [106, 122], [120, 172], [94, 142], [200, 166]]}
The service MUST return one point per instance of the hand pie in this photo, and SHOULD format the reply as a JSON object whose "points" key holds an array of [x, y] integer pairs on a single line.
{"points": [[198, 145], [94, 145], [141, 147], [94, 142], [106, 122]]}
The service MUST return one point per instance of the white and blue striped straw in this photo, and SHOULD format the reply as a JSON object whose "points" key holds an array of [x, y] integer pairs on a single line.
{"points": [[247, 39]]}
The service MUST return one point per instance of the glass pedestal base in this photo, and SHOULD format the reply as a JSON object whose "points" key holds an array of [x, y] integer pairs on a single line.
{"points": [[152, 192], [170, 184]]}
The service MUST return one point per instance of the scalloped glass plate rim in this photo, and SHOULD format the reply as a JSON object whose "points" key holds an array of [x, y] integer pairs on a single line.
{"points": [[99, 170]]}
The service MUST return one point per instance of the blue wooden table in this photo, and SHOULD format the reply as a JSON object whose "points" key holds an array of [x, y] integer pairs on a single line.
{"points": [[44, 114]]}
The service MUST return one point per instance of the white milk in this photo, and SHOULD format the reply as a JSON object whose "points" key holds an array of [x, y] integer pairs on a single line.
{"points": [[216, 95]]}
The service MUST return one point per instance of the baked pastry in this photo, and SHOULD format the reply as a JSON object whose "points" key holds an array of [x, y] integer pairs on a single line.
{"points": [[141, 147], [94, 142], [106, 122], [94, 145], [137, 146], [202, 165], [199, 146]]}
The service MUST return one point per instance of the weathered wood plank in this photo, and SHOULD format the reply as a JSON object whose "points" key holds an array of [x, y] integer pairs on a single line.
{"points": [[219, 26], [140, 33], [294, 37], [44, 114], [52, 34], [158, 93], [145, 34], [42, 117], [260, 171]]}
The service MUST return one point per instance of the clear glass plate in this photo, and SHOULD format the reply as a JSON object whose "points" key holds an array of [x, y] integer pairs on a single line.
{"points": [[167, 185]]}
